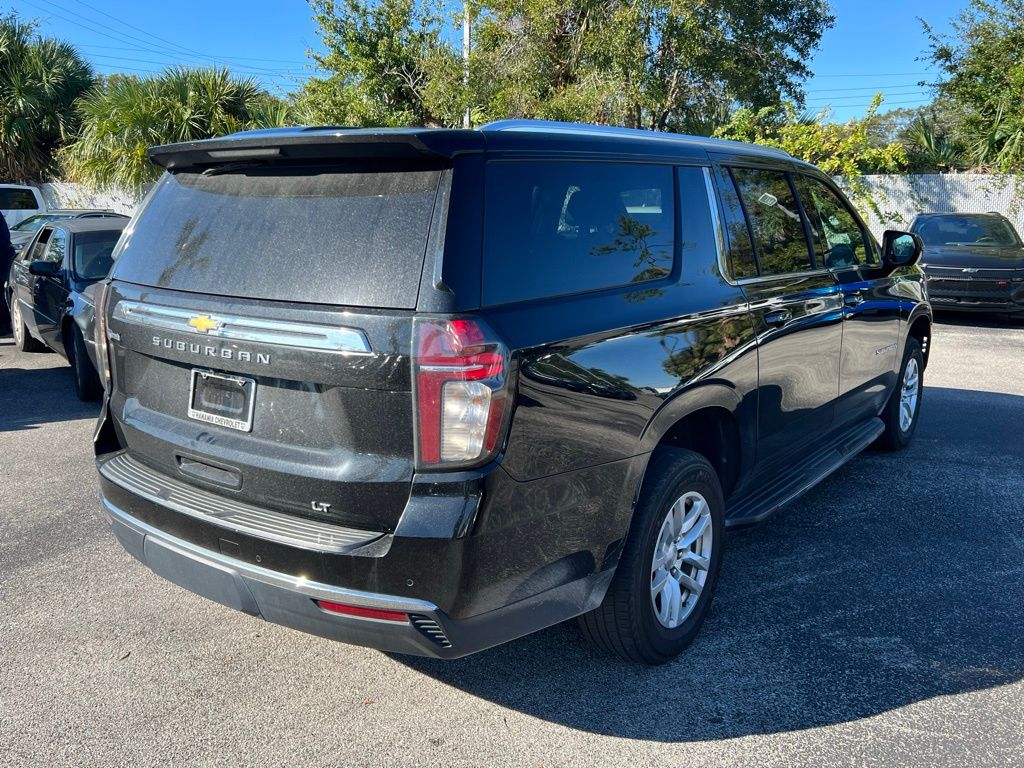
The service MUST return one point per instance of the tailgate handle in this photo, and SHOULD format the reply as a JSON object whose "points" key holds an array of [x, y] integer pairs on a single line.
{"points": [[200, 470]]}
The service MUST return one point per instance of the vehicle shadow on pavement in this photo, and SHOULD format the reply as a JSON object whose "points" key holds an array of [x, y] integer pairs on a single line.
{"points": [[33, 396], [899, 579]]}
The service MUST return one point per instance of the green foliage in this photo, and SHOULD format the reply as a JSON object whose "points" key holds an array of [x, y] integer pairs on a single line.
{"points": [[984, 65], [387, 63], [929, 149], [40, 78], [126, 115], [661, 64], [839, 149]]}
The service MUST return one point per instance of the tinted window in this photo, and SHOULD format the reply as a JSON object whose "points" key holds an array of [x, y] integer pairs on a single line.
{"points": [[92, 254], [966, 230], [352, 235], [838, 238], [774, 219], [57, 248], [17, 200], [557, 228], [741, 249]]}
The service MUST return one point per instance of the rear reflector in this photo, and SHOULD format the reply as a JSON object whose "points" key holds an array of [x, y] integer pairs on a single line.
{"points": [[361, 612]]}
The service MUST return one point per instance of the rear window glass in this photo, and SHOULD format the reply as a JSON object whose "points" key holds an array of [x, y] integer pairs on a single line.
{"points": [[774, 219], [92, 254], [326, 235], [563, 227], [17, 200], [966, 230]]}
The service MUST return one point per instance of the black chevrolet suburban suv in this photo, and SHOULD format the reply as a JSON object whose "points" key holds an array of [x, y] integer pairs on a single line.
{"points": [[430, 390]]}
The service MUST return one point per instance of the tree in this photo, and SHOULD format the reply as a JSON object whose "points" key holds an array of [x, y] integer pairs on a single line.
{"points": [[661, 64], [40, 78], [658, 64], [839, 149], [387, 63], [128, 114], [983, 61]]}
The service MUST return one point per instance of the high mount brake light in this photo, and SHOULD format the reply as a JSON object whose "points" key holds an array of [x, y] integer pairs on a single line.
{"points": [[461, 380]]}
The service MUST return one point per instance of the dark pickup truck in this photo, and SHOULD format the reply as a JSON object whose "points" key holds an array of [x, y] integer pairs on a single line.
{"points": [[431, 390]]}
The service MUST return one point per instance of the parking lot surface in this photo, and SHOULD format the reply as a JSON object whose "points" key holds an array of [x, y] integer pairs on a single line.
{"points": [[879, 620]]}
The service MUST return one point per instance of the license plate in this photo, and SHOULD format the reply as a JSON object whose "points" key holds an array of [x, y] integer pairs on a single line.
{"points": [[226, 401]]}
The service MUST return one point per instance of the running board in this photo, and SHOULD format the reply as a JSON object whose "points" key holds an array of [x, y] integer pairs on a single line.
{"points": [[762, 500]]}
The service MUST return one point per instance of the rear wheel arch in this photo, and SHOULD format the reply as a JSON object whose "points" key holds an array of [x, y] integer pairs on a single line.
{"points": [[920, 328], [704, 421]]}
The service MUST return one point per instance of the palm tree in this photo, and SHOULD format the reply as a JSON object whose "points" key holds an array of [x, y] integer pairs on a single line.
{"points": [[40, 78], [128, 114]]}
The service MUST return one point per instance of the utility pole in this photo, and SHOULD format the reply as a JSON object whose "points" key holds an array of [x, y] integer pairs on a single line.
{"points": [[466, 118]]}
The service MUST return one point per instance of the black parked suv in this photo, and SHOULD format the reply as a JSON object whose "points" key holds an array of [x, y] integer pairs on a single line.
{"points": [[431, 390]]}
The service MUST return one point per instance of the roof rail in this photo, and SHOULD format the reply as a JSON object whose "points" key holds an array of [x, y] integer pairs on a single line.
{"points": [[612, 131]]}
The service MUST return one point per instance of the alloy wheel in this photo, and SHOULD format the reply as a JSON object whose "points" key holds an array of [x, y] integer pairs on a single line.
{"points": [[17, 326], [682, 556], [909, 392]]}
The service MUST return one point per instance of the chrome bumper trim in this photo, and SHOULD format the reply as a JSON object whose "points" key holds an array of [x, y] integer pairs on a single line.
{"points": [[299, 585]]}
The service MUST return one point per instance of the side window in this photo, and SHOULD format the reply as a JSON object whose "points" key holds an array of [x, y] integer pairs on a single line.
{"points": [[554, 228], [57, 248], [17, 200], [838, 237], [38, 249], [775, 220], [741, 249]]}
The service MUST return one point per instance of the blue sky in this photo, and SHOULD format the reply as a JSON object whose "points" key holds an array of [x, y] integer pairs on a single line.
{"points": [[875, 44]]}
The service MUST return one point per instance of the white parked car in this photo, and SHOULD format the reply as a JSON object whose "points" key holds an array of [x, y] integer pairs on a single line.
{"points": [[19, 201]]}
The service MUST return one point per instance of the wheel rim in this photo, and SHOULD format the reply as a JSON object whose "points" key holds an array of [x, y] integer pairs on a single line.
{"points": [[909, 393], [682, 556], [16, 320]]}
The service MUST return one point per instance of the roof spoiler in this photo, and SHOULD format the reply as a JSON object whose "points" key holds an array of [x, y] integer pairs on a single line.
{"points": [[317, 144]]}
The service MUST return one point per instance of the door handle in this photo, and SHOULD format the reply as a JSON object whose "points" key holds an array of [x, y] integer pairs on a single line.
{"points": [[853, 299], [777, 317]]}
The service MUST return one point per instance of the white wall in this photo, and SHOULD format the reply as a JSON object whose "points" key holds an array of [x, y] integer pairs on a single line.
{"points": [[65, 194]]}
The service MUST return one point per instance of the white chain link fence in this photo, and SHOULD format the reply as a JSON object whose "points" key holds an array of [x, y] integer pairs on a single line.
{"points": [[899, 198]]}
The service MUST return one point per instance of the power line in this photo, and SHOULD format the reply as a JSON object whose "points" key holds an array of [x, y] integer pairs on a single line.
{"points": [[233, 58], [123, 37], [279, 75]]}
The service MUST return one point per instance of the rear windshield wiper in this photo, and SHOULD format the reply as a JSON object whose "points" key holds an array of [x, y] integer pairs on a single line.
{"points": [[241, 165]]}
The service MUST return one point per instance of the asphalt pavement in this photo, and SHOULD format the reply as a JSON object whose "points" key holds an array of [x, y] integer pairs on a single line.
{"points": [[878, 620]]}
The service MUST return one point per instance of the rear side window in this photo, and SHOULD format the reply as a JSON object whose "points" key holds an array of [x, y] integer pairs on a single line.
{"points": [[838, 238], [92, 254], [555, 228], [17, 200], [775, 220], [350, 235]]}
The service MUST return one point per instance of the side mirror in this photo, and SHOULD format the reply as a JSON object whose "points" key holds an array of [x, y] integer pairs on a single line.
{"points": [[44, 269], [901, 249]]}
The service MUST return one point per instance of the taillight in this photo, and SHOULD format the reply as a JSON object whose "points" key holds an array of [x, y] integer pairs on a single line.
{"points": [[461, 381], [102, 342]]}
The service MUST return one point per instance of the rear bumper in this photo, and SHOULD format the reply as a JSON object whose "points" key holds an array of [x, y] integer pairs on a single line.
{"points": [[290, 601], [461, 590]]}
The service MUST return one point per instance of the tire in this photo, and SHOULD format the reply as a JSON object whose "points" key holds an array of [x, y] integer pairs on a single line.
{"points": [[898, 433], [87, 381], [627, 622], [23, 340]]}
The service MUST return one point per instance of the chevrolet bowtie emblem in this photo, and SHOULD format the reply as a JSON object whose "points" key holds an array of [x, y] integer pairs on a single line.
{"points": [[205, 323]]}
